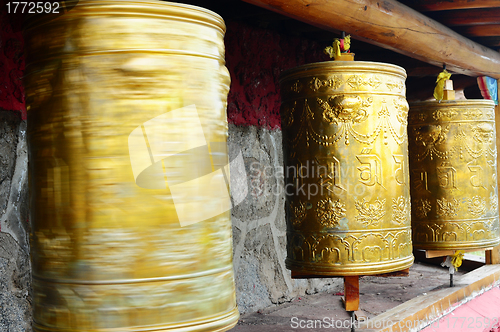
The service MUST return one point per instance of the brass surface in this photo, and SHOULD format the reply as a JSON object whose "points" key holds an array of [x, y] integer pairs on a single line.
{"points": [[453, 173], [344, 123], [108, 254]]}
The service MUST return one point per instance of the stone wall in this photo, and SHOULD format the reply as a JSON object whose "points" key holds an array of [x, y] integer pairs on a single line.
{"points": [[259, 229], [15, 271], [15, 276]]}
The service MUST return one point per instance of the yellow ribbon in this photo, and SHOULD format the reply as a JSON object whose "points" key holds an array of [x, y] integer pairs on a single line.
{"points": [[335, 50], [456, 259], [347, 43], [439, 89]]}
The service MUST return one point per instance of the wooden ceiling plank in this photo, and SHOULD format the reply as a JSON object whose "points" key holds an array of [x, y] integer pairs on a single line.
{"points": [[493, 41], [488, 30], [394, 26], [468, 17], [436, 5]]}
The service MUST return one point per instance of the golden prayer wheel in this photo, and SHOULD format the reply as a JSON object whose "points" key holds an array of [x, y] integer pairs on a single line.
{"points": [[346, 168], [127, 134], [453, 171]]}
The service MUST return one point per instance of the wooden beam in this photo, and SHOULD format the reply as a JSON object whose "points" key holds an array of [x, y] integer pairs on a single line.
{"points": [[394, 26], [435, 5], [487, 30], [491, 41], [468, 17]]}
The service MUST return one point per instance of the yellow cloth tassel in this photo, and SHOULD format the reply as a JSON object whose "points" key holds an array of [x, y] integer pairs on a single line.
{"points": [[456, 259], [347, 43], [335, 50], [441, 79]]}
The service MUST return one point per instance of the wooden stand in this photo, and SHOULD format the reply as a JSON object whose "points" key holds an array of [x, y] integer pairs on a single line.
{"points": [[351, 288], [351, 291], [441, 253]]}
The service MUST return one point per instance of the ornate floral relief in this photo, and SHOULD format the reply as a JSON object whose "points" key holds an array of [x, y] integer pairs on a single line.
{"points": [[446, 114], [298, 211], [330, 212], [483, 133], [415, 117], [462, 232], [344, 112], [287, 115], [374, 82], [372, 247], [422, 207], [395, 85], [296, 87], [447, 208], [344, 109], [402, 106], [355, 247], [387, 127], [329, 248], [370, 214], [355, 81], [428, 137], [431, 135], [426, 232], [400, 209], [490, 114], [472, 113], [333, 82], [305, 119], [477, 206], [493, 203]]}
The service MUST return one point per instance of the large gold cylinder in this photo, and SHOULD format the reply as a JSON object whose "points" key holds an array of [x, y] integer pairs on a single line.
{"points": [[126, 100], [453, 171], [346, 168]]}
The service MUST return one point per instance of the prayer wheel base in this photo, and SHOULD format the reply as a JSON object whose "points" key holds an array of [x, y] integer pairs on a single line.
{"points": [[301, 268], [457, 246]]}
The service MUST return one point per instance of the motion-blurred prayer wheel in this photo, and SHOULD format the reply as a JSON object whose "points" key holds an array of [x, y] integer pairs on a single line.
{"points": [[453, 171], [346, 169], [127, 134]]}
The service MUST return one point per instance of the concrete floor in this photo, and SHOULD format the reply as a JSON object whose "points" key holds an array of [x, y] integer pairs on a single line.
{"points": [[377, 295]]}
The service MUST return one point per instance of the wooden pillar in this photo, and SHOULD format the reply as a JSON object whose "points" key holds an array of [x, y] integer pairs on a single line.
{"points": [[351, 293]]}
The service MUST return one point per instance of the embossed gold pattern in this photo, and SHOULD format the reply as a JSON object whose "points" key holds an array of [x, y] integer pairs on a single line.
{"points": [[330, 212], [349, 128], [453, 174], [107, 254], [400, 209], [370, 214], [298, 211]]}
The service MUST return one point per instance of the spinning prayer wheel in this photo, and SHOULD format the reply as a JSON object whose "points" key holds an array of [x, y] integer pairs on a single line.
{"points": [[453, 171], [346, 168], [126, 119]]}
